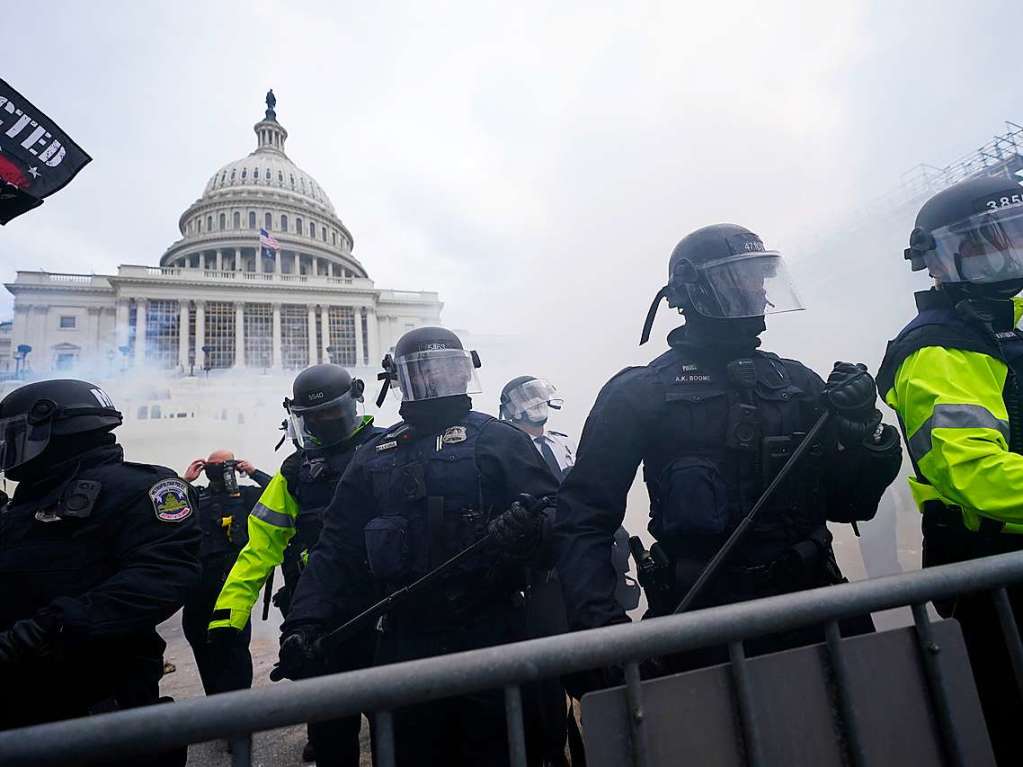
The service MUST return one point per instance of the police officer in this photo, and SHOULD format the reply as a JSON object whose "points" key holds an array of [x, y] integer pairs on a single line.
{"points": [[223, 513], [412, 497], [526, 402], [326, 429], [712, 420], [953, 375], [94, 553]]}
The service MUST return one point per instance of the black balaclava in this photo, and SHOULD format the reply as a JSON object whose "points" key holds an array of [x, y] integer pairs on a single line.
{"points": [[433, 415], [215, 477], [733, 338], [61, 450]]}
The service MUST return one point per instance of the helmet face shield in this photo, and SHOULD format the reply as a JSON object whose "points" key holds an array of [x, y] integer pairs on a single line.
{"points": [[21, 440], [984, 248], [325, 424], [531, 401], [743, 285], [436, 373]]}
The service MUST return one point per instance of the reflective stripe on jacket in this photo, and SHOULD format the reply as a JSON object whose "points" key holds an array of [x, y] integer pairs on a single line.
{"points": [[271, 526], [954, 416]]}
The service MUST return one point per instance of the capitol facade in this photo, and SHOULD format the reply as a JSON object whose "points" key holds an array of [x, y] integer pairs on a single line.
{"points": [[218, 299]]}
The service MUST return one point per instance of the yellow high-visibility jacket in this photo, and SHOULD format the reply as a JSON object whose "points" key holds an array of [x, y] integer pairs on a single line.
{"points": [[946, 376], [271, 527]]}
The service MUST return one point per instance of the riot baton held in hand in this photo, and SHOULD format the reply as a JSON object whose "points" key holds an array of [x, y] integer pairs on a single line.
{"points": [[371, 614], [268, 588], [733, 540]]}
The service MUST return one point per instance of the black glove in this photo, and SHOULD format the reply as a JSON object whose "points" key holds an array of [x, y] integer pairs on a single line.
{"points": [[852, 396], [29, 638], [221, 638], [300, 656], [518, 530]]}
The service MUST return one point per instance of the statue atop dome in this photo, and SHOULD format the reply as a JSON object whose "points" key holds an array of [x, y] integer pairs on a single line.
{"points": [[271, 102]]}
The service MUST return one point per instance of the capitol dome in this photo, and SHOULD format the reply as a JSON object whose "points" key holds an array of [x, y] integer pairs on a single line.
{"points": [[264, 190]]}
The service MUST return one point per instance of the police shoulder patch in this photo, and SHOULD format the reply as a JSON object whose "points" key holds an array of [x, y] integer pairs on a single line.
{"points": [[170, 500]]}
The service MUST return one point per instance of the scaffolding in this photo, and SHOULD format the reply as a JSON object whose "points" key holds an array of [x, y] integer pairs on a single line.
{"points": [[1001, 156]]}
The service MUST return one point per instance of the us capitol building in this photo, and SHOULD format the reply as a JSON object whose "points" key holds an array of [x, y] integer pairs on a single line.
{"points": [[218, 300]]}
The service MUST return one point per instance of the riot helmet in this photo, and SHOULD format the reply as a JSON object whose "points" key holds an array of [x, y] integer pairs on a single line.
{"points": [[529, 399], [724, 272], [970, 235], [324, 408], [35, 414], [430, 363]]}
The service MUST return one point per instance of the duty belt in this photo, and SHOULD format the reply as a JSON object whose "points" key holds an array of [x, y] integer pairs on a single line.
{"points": [[952, 516]]}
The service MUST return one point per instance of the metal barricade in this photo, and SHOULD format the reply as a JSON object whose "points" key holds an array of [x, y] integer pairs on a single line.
{"points": [[380, 690]]}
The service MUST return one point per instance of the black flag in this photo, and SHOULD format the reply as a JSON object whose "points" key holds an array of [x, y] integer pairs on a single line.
{"points": [[36, 157]]}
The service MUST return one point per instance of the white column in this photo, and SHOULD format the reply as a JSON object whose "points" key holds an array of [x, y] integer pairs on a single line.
{"points": [[121, 324], [202, 259], [330, 268], [220, 260], [200, 335], [239, 334], [259, 259], [325, 330], [359, 362], [140, 331], [92, 313], [313, 357], [183, 335], [238, 259], [375, 355], [276, 337], [314, 263], [277, 262], [298, 263]]}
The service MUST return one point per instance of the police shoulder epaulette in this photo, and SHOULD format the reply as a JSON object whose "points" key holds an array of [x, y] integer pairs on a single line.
{"points": [[147, 467]]}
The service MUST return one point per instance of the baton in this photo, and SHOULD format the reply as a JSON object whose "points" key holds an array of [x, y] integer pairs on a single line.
{"points": [[740, 530]]}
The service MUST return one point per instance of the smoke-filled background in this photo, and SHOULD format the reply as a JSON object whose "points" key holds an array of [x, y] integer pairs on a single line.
{"points": [[535, 163]]}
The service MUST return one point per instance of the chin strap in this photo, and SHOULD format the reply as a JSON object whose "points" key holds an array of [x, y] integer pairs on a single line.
{"points": [[651, 313], [386, 375]]}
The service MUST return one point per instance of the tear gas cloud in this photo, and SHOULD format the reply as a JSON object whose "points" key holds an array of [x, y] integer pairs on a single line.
{"points": [[535, 166]]}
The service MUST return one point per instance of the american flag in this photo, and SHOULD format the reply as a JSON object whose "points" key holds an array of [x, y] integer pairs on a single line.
{"points": [[267, 240]]}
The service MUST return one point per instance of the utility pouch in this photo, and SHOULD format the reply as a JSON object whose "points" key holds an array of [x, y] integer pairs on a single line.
{"points": [[743, 427], [411, 480], [808, 563], [387, 547], [693, 499]]}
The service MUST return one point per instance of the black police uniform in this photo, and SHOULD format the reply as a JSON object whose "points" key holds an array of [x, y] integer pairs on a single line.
{"points": [[711, 432], [412, 498], [312, 478], [110, 549], [223, 517]]}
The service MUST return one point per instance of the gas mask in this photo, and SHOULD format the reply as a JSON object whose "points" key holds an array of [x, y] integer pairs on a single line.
{"points": [[223, 477]]}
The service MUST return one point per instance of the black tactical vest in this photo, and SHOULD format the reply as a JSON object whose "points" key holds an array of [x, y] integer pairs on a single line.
{"points": [[725, 429], [217, 537]]}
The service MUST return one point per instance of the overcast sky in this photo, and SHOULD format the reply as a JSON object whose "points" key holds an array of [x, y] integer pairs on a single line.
{"points": [[535, 166]]}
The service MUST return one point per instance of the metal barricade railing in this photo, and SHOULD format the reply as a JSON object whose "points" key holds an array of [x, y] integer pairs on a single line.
{"points": [[379, 691]]}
